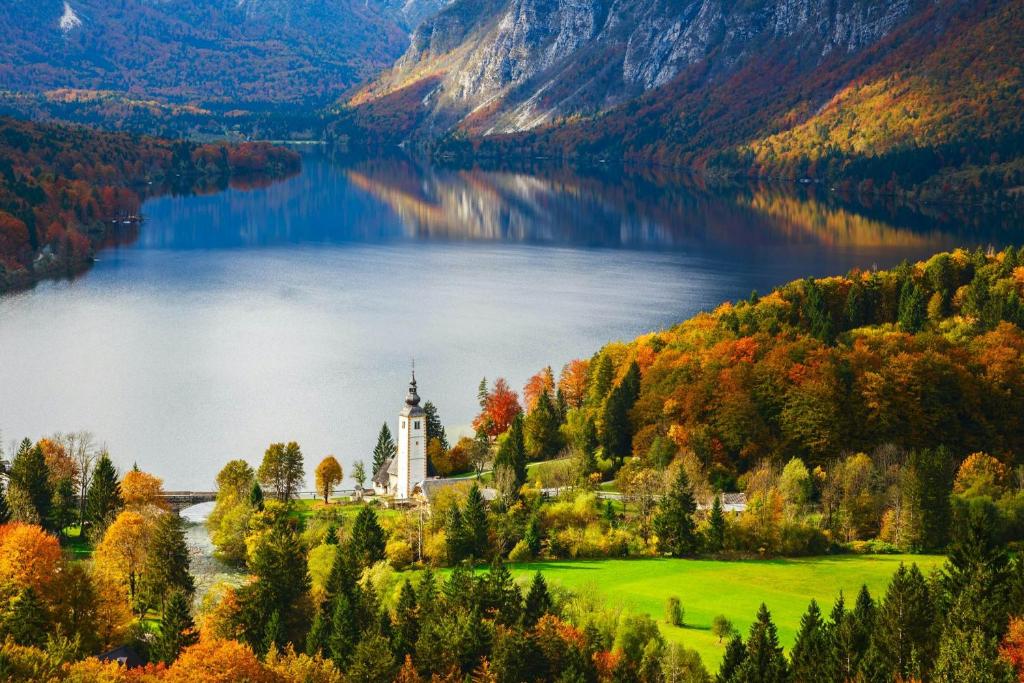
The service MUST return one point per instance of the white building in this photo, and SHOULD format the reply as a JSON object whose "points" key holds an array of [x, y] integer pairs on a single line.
{"points": [[400, 476]]}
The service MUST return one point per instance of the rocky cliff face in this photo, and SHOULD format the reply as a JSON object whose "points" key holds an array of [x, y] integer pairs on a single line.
{"points": [[512, 65]]}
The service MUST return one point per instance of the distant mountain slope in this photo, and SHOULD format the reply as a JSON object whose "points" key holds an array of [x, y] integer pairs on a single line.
{"points": [[208, 50], [784, 87]]}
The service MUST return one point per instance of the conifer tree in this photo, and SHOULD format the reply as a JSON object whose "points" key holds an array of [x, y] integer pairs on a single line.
{"points": [[852, 631], [735, 654], [256, 496], [913, 307], [764, 661], [813, 657], [64, 504], [28, 473], [543, 438], [856, 306], [435, 429], [385, 448], [532, 535], [475, 524], [968, 650], [617, 432], [344, 632], [932, 475], [904, 636], [26, 620], [368, 538], [406, 630], [501, 594], [372, 661], [512, 452], [103, 500], [715, 540], [815, 312], [538, 601], [600, 383], [426, 592], [319, 631], [167, 565], [455, 535], [674, 522], [177, 629]]}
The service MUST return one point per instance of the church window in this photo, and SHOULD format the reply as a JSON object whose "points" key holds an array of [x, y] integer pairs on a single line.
{"points": [[416, 424]]}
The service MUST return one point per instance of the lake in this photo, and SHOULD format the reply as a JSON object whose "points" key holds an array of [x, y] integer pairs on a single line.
{"points": [[292, 311]]}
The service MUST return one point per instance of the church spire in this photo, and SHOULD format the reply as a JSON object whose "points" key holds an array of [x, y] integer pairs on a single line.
{"points": [[412, 399]]}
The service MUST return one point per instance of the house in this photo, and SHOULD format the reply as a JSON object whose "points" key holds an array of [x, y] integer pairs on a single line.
{"points": [[731, 502], [124, 655]]}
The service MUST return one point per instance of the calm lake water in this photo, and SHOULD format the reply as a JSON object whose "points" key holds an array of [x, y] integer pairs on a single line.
{"points": [[291, 312]]}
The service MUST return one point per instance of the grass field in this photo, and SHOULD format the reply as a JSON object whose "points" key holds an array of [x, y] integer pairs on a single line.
{"points": [[736, 589]]}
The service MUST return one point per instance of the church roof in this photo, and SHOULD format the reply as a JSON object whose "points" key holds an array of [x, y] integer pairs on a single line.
{"points": [[380, 477], [412, 400]]}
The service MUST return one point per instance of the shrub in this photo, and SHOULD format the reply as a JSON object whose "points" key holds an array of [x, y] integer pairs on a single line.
{"points": [[674, 611], [721, 627], [399, 553]]}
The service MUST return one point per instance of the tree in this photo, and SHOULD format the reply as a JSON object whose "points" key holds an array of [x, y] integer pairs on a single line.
{"points": [[177, 629], [764, 661], [359, 476], [406, 630], [435, 430], [228, 522], [851, 631], [573, 382], [538, 601], [25, 620], [124, 551], [475, 523], [674, 521], [735, 655], [104, 498], [932, 482], [64, 504], [368, 538], [384, 450], [328, 476], [815, 312], [603, 373], [500, 408], [543, 438], [721, 627], [140, 489], [904, 635], [813, 657], [167, 564], [512, 452], [455, 535], [617, 430], [5, 509], [29, 474], [715, 537], [282, 470], [912, 307]]}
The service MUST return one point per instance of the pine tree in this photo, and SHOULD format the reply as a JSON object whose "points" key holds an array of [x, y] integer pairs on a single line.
{"points": [[455, 535], [716, 527], [543, 437], [532, 535], [856, 306], [103, 500], [26, 620], [368, 538], [764, 662], [435, 429], [475, 524], [167, 566], [372, 661], [968, 650], [617, 432], [735, 655], [852, 632], [64, 504], [385, 448], [603, 373], [177, 629], [426, 593], [344, 632], [538, 601], [512, 452], [913, 307], [501, 595], [319, 632], [903, 636], [815, 312], [674, 522], [256, 496], [407, 628], [932, 473], [813, 657], [29, 473]]}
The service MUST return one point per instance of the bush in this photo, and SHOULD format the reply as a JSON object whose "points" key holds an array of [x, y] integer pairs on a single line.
{"points": [[674, 611], [721, 627], [399, 554], [520, 553]]}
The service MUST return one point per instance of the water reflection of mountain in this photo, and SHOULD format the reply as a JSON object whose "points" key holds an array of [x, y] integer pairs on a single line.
{"points": [[387, 199]]}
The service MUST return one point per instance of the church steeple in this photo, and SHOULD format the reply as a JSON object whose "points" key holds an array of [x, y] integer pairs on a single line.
{"points": [[412, 399]]}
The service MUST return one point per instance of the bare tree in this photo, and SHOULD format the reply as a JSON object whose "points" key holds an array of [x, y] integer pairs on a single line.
{"points": [[81, 447]]}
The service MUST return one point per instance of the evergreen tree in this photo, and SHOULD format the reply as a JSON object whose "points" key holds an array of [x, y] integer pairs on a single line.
{"points": [[344, 631], [29, 473], [319, 632], [167, 566], [532, 535], [512, 452], [600, 383], [435, 430], [764, 661], [813, 658], [256, 496], [501, 596], [25, 620], [543, 437], [815, 312], [385, 448], [368, 538], [538, 601], [674, 522], [407, 628], [455, 537], [735, 654], [852, 632], [617, 432], [904, 636], [968, 649], [856, 309], [103, 500], [913, 310], [426, 592], [64, 504], [177, 629], [475, 524], [932, 474], [716, 527], [372, 661]]}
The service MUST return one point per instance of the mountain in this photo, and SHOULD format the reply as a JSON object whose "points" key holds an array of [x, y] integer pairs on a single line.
{"points": [[237, 51], [767, 87]]}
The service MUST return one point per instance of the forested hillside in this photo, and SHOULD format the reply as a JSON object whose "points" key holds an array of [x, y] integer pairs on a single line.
{"points": [[64, 190], [891, 94]]}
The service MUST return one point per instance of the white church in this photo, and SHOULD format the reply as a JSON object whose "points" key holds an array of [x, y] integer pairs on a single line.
{"points": [[404, 474]]}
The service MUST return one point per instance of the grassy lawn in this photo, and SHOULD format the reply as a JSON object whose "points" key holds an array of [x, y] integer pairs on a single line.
{"points": [[307, 507], [736, 589]]}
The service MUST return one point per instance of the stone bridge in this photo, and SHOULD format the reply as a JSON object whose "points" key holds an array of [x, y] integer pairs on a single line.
{"points": [[179, 500]]}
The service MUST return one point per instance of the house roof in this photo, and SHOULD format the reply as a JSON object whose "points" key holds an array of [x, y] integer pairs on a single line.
{"points": [[428, 487], [124, 655]]}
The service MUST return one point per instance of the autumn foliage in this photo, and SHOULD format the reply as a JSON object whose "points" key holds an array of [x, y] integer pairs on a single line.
{"points": [[501, 405]]}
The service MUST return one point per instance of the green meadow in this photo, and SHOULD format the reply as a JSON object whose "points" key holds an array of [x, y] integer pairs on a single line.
{"points": [[735, 588]]}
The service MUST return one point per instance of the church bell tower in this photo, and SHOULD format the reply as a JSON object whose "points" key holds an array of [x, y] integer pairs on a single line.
{"points": [[412, 444]]}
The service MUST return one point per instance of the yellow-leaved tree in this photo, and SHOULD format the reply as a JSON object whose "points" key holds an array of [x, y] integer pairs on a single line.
{"points": [[328, 476]]}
